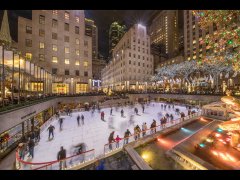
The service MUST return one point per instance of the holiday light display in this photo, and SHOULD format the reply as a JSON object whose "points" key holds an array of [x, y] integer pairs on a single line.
{"points": [[223, 44]]}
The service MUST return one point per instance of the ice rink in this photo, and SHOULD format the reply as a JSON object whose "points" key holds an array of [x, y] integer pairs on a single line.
{"points": [[95, 132]]}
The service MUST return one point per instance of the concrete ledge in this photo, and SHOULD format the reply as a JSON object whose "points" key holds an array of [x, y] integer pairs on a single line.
{"points": [[137, 159]]}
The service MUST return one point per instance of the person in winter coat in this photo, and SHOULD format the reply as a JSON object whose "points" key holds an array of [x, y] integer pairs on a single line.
{"points": [[61, 157], [138, 131], [135, 133], [31, 148], [122, 113], [111, 140], [102, 115], [60, 123], [126, 136], [111, 110], [22, 150], [82, 118], [117, 139], [78, 120], [50, 130], [144, 128]]}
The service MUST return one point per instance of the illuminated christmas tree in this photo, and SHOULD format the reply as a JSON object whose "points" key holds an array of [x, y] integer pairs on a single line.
{"points": [[224, 42]]}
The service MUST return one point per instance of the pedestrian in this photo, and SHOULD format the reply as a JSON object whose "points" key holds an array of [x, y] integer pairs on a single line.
{"points": [[31, 148], [102, 115], [171, 118], [154, 126], [51, 129], [122, 113], [144, 129], [37, 134], [78, 120], [126, 136], [143, 108], [60, 123], [162, 122], [22, 150], [135, 133], [111, 140], [117, 139], [138, 131], [82, 118], [111, 110], [61, 156]]}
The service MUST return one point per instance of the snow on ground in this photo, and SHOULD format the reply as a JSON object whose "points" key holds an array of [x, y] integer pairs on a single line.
{"points": [[95, 132]]}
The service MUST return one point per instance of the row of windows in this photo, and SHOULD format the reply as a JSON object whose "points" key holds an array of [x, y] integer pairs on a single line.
{"points": [[139, 64], [55, 12], [67, 72]]}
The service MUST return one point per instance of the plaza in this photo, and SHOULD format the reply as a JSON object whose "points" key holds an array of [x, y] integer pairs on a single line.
{"points": [[161, 94]]}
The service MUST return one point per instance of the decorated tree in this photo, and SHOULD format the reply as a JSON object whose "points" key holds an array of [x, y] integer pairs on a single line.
{"points": [[224, 42]]}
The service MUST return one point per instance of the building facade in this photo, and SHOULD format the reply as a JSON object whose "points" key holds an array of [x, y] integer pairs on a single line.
{"points": [[92, 31], [56, 41], [132, 63], [164, 31], [194, 44], [116, 32]]}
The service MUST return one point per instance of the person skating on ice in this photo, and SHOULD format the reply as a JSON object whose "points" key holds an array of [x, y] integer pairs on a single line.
{"points": [[111, 110], [122, 113], [60, 123], [102, 115], [50, 130], [82, 118], [78, 120], [61, 156]]}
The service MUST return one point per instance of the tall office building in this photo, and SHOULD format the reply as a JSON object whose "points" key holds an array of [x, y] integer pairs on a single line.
{"points": [[163, 32], [132, 63], [56, 41], [194, 44], [92, 31], [116, 32]]}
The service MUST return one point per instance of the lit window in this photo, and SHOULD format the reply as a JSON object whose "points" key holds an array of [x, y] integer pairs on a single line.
{"points": [[67, 61], [66, 49], [29, 56], [77, 19], [77, 63], [188, 59], [41, 45], [55, 12], [41, 57], [54, 47], [67, 15], [77, 52], [77, 41], [54, 59], [194, 57], [41, 19], [85, 64]]}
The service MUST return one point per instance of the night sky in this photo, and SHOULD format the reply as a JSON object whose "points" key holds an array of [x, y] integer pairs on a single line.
{"points": [[102, 18]]}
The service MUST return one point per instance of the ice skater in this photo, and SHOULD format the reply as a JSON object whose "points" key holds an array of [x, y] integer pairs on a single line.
{"points": [[144, 129], [143, 108], [78, 120], [60, 157], [136, 110], [102, 115], [122, 113], [60, 123], [31, 148], [82, 118], [111, 110], [126, 136], [110, 123], [50, 130]]}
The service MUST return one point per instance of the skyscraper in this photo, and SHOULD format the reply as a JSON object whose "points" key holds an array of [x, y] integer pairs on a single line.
{"points": [[116, 32], [194, 37], [92, 31], [164, 32]]}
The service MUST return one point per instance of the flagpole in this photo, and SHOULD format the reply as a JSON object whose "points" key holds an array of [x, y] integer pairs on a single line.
{"points": [[3, 77], [13, 79]]}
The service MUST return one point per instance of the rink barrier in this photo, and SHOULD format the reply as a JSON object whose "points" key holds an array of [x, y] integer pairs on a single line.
{"points": [[72, 161], [111, 147]]}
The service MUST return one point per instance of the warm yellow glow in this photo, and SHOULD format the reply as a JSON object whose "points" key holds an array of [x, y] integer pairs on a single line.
{"points": [[85, 64], [145, 156]]}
